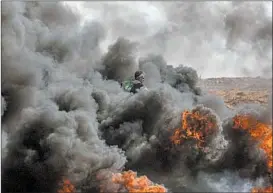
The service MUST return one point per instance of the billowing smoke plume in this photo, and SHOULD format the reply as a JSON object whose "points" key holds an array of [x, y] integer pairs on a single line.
{"points": [[213, 37], [119, 62], [65, 115]]}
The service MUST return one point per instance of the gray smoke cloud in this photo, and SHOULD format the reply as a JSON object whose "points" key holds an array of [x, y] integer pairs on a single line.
{"points": [[3, 105], [50, 116], [64, 113], [119, 62], [216, 38]]}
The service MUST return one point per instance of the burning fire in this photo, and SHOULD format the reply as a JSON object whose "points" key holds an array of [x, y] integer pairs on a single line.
{"points": [[259, 132], [66, 187], [262, 190], [194, 126], [135, 184]]}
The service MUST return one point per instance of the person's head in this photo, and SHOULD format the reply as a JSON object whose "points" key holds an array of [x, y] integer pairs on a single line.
{"points": [[139, 75]]}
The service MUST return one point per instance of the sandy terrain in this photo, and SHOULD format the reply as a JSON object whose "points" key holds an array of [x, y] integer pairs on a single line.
{"points": [[239, 90]]}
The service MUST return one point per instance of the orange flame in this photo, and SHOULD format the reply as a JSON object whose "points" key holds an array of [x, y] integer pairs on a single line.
{"points": [[67, 187], [262, 190], [135, 184], [259, 132], [194, 126]]}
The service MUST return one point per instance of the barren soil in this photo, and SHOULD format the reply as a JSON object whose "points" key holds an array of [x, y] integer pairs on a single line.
{"points": [[236, 91]]}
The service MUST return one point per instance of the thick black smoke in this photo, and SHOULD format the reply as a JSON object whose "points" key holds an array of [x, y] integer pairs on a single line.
{"points": [[181, 78], [245, 155], [119, 62], [50, 114], [65, 115]]}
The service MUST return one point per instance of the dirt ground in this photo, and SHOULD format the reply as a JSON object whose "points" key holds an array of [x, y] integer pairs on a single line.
{"points": [[239, 90]]}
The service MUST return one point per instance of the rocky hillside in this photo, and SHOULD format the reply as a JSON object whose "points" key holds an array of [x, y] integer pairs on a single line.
{"points": [[239, 90]]}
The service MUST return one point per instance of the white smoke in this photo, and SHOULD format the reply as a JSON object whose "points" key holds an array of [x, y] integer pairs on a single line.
{"points": [[216, 38]]}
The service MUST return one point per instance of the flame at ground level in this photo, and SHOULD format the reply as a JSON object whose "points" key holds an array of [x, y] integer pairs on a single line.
{"points": [[66, 187], [262, 190], [195, 126], [259, 132], [135, 184]]}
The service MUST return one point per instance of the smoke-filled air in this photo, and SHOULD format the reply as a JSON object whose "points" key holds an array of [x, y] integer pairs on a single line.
{"points": [[68, 124]]}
